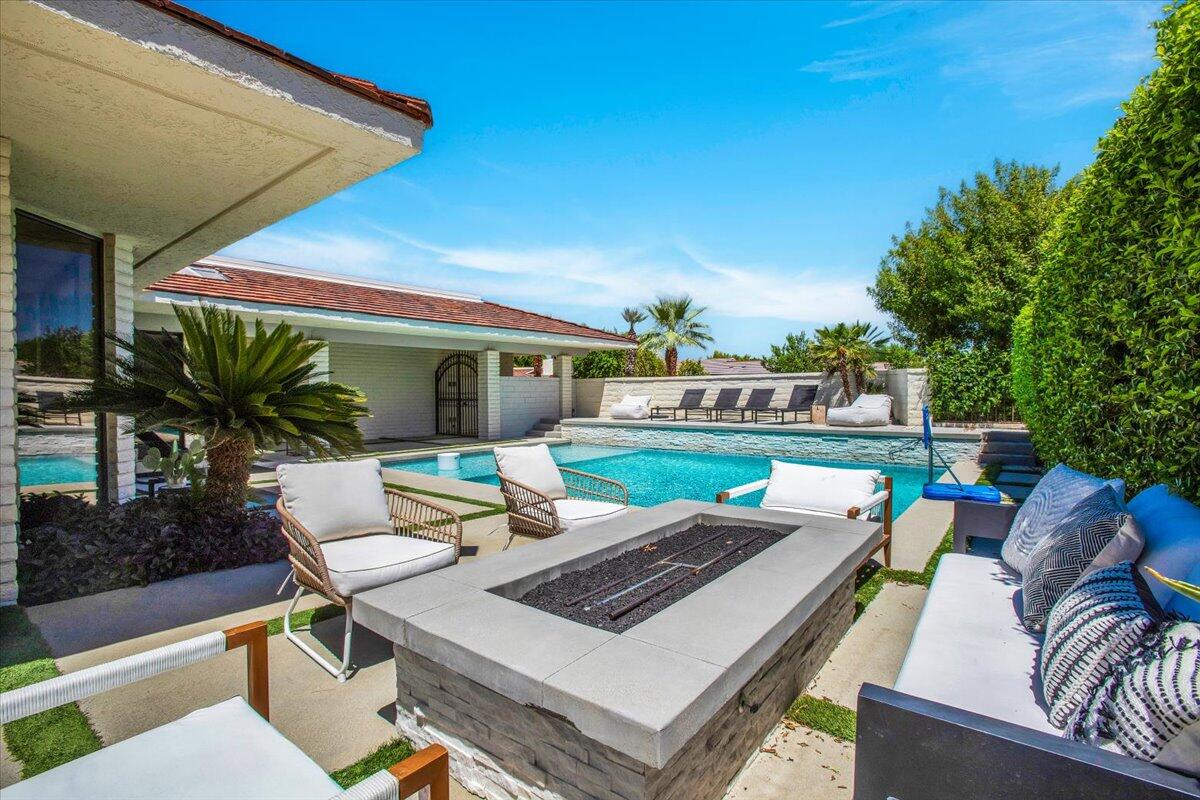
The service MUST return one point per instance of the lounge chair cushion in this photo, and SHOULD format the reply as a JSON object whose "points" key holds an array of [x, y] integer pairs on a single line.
{"points": [[820, 490], [868, 409], [226, 751], [534, 467], [631, 407], [1171, 526], [969, 649], [337, 498], [574, 513], [1051, 500], [366, 562]]}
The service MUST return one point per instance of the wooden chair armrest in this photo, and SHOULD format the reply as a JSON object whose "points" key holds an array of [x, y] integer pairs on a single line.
{"points": [[83, 683], [616, 492], [425, 769], [738, 491]]}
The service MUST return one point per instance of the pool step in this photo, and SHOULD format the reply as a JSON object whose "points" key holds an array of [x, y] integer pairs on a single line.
{"points": [[547, 428], [1007, 459], [1010, 448]]}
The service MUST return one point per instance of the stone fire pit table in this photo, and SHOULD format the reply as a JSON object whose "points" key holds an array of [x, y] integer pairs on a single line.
{"points": [[533, 705]]}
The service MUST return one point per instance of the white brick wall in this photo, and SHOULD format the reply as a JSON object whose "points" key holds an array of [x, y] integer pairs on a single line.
{"points": [[120, 449], [524, 401], [8, 388], [489, 394], [910, 390], [566, 386], [668, 391], [398, 383]]}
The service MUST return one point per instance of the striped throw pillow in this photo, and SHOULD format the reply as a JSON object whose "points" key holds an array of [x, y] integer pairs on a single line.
{"points": [[1149, 706], [1092, 629]]}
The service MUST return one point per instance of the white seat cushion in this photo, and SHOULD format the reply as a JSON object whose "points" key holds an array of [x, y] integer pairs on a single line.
{"points": [[868, 409], [818, 490], [223, 752], [574, 513], [629, 411], [366, 562], [534, 467], [336, 498], [969, 649]]}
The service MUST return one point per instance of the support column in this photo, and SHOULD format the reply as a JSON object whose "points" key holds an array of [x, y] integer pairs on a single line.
{"points": [[564, 369], [488, 362], [8, 386], [120, 449]]}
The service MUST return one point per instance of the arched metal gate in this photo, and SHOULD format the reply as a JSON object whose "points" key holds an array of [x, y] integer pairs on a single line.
{"points": [[457, 381]]}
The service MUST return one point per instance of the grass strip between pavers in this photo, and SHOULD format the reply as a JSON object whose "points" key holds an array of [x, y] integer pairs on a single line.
{"points": [[495, 508], [824, 716], [381, 758], [53, 737]]}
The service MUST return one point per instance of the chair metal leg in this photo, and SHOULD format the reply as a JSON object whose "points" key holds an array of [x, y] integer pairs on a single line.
{"points": [[335, 671], [508, 544]]}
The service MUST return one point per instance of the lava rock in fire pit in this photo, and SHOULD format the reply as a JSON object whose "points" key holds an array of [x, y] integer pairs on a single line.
{"points": [[624, 590]]}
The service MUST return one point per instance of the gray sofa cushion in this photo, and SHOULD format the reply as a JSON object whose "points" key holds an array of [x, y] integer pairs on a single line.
{"points": [[1097, 533], [1059, 491], [1149, 706], [1094, 627]]}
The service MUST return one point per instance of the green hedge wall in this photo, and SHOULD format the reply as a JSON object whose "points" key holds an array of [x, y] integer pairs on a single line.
{"points": [[968, 384], [1109, 365]]}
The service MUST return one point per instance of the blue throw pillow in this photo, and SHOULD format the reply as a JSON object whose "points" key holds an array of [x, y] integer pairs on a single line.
{"points": [[1171, 526], [1055, 495]]}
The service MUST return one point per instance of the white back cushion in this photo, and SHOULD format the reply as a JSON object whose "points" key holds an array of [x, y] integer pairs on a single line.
{"points": [[534, 467], [800, 487], [873, 401], [1171, 526], [337, 498], [635, 400]]}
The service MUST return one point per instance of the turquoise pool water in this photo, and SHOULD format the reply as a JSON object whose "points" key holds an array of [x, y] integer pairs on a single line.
{"points": [[657, 476], [46, 470]]}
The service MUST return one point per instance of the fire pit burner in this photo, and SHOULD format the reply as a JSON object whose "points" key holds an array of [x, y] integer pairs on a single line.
{"points": [[622, 591]]}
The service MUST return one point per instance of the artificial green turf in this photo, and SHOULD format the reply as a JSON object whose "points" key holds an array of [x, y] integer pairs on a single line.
{"points": [[305, 618], [871, 583], [382, 758], [824, 716], [46, 740]]}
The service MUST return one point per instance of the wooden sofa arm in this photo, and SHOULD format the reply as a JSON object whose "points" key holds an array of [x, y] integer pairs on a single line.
{"points": [[425, 769], [598, 486], [981, 521], [909, 748], [83, 683], [738, 491]]}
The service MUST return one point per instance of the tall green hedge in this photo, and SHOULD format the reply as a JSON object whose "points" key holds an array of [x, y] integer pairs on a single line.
{"points": [[967, 385], [1111, 355]]}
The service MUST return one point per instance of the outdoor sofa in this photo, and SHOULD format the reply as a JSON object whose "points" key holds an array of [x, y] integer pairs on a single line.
{"points": [[966, 718], [826, 492], [228, 751], [866, 410]]}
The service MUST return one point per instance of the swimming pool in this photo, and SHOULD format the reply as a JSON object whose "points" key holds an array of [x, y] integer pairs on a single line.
{"points": [[53, 469], [658, 476]]}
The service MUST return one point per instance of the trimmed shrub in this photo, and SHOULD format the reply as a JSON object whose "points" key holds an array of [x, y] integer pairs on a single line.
{"points": [[968, 384], [691, 366], [69, 548], [1111, 358], [611, 364]]}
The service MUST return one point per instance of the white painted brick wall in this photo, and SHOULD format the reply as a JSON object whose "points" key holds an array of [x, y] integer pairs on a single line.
{"points": [[566, 386], [524, 401], [120, 448], [8, 388], [398, 383], [489, 394]]}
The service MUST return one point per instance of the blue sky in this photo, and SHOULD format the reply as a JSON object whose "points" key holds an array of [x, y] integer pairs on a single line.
{"points": [[586, 157]]}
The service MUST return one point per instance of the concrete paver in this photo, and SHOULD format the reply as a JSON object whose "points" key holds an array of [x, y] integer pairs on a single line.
{"points": [[917, 532], [796, 763]]}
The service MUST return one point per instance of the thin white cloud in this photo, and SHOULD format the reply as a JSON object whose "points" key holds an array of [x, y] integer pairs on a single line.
{"points": [[875, 10]]}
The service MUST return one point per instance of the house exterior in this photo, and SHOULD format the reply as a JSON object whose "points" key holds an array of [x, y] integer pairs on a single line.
{"points": [[135, 138], [430, 362]]}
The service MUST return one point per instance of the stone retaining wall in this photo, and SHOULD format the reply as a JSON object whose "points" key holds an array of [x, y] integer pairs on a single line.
{"points": [[503, 750]]}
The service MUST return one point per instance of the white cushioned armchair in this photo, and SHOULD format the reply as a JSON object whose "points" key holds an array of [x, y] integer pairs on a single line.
{"points": [[348, 533], [827, 492], [228, 751], [544, 499]]}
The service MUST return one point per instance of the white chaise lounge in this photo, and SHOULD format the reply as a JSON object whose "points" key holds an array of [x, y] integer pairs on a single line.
{"points": [[228, 751], [866, 410], [544, 499], [828, 492], [347, 533], [632, 406]]}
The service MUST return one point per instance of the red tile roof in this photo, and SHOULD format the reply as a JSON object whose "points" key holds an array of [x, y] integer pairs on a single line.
{"points": [[413, 107], [289, 288]]}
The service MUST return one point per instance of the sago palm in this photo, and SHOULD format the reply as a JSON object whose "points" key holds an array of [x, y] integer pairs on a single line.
{"points": [[635, 317], [848, 349], [676, 324], [241, 391]]}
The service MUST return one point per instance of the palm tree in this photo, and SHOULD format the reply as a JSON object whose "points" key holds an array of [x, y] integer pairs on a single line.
{"points": [[634, 317], [676, 324], [241, 392], [848, 349]]}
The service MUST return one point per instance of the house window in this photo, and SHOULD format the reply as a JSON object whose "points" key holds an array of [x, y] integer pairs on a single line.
{"points": [[59, 350]]}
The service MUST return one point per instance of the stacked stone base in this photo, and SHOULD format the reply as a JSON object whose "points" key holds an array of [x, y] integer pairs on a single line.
{"points": [[503, 750]]}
